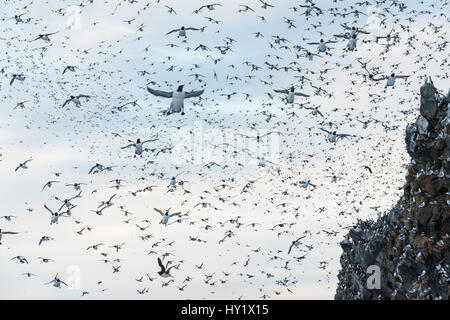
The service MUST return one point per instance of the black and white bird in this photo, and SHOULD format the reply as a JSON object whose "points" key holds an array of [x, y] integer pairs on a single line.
{"points": [[178, 96], [165, 215], [57, 282], [390, 79], [291, 94], [23, 165], [295, 243], [333, 136], [138, 146], [182, 31], [75, 99], [44, 36], [5, 232], [165, 270]]}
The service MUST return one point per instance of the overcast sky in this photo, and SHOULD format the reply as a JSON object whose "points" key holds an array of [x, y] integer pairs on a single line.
{"points": [[109, 53]]}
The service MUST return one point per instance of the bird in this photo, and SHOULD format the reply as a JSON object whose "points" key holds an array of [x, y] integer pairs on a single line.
{"points": [[48, 184], [165, 215], [57, 282], [178, 96], [333, 136], [295, 243], [23, 165], [18, 77], [55, 215], [138, 146], [210, 7], [322, 44], [75, 100], [182, 31], [69, 68], [368, 168], [291, 94], [165, 270], [44, 36], [390, 79], [5, 232]]}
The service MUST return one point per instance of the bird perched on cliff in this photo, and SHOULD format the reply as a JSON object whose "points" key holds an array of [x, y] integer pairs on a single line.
{"points": [[178, 96]]}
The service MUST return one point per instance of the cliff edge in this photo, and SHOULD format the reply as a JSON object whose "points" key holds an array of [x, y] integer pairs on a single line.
{"points": [[405, 254]]}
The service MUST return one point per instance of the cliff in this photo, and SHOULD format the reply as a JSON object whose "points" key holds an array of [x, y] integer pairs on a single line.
{"points": [[407, 250]]}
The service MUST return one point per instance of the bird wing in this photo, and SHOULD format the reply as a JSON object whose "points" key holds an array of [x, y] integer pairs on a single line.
{"points": [[290, 248], [301, 94], [150, 140], [51, 212], [325, 130], [160, 212], [191, 28], [67, 101], [160, 93], [130, 145], [193, 93], [281, 91], [174, 30], [163, 269], [174, 214]]}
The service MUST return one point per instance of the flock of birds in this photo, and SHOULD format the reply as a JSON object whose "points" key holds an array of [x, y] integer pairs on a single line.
{"points": [[99, 169]]}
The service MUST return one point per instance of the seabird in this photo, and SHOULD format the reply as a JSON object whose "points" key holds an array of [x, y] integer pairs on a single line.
{"points": [[291, 94], [165, 272], [5, 232], [178, 96], [182, 31]]}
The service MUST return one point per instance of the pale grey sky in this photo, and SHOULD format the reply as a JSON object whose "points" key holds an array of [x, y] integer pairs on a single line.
{"points": [[70, 140]]}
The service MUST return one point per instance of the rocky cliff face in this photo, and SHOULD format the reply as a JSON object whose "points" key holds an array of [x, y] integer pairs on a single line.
{"points": [[411, 244]]}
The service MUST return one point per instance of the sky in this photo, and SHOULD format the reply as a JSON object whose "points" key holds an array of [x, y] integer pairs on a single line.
{"points": [[110, 54]]}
